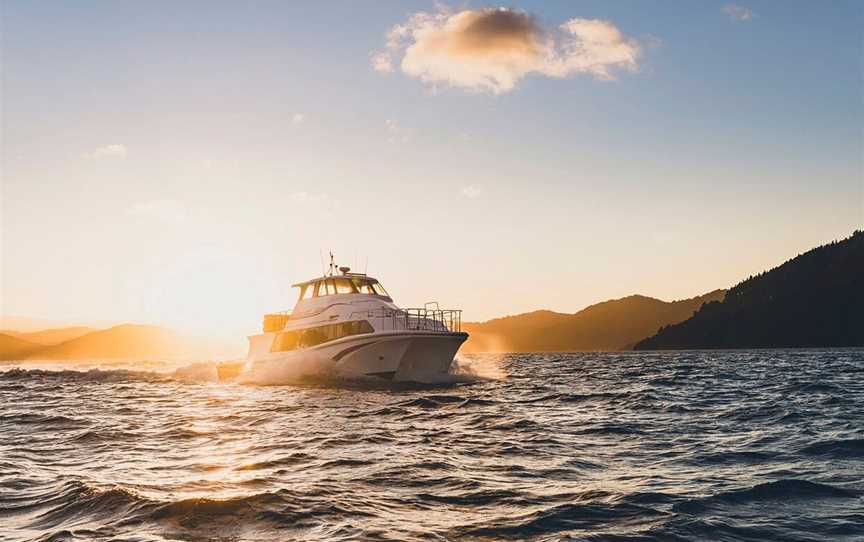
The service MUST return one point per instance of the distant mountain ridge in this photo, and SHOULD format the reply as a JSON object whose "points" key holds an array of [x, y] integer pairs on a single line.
{"points": [[616, 324], [126, 341], [12, 347], [51, 336], [813, 300]]}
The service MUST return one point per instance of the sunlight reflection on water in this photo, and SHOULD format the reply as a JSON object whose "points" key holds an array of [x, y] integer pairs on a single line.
{"points": [[764, 444]]}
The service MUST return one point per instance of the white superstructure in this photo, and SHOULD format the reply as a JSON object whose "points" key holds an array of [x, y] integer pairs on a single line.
{"points": [[346, 325]]}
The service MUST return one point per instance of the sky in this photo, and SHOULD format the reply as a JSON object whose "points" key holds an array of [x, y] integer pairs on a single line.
{"points": [[183, 164]]}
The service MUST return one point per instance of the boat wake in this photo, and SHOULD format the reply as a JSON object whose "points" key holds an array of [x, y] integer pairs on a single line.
{"points": [[465, 370]]}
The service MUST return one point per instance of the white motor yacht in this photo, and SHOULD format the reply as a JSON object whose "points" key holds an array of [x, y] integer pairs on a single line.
{"points": [[346, 325]]}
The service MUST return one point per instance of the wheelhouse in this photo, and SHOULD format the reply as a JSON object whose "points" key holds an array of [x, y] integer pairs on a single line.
{"points": [[348, 283]]}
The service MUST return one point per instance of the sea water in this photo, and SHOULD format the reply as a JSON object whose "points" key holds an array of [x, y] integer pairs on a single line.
{"points": [[744, 445]]}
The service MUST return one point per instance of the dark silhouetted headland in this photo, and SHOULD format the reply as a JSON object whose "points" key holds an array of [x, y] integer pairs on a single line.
{"points": [[616, 324], [813, 300]]}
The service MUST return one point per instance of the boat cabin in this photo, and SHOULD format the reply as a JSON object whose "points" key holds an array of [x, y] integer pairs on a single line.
{"points": [[347, 283]]}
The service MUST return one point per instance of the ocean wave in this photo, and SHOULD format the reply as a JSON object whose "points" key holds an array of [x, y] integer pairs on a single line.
{"points": [[780, 490], [475, 498], [432, 401], [45, 420], [76, 501], [83, 375], [662, 446], [733, 457], [610, 429], [565, 518], [838, 449], [285, 461]]}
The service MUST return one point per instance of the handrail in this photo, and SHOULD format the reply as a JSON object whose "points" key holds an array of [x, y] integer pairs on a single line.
{"points": [[408, 319], [275, 321], [416, 319]]}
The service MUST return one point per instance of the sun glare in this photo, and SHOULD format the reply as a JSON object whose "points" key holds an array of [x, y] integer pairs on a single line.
{"points": [[211, 295]]}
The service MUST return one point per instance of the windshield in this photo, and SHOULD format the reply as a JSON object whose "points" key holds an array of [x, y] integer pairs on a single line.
{"points": [[306, 291], [365, 286], [344, 286], [380, 289]]}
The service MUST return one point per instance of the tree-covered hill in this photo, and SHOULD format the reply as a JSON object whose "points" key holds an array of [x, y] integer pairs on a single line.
{"points": [[616, 324], [815, 299]]}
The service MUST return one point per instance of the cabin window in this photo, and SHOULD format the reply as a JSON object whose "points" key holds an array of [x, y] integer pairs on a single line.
{"points": [[312, 337], [307, 291], [287, 340], [325, 287], [356, 327], [380, 290], [371, 288], [305, 338], [363, 286], [344, 286]]}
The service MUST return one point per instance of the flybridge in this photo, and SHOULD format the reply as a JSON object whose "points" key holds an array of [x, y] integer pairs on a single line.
{"points": [[343, 283]]}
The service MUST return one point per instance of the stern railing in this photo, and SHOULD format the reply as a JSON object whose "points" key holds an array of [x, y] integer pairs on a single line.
{"points": [[276, 321]]}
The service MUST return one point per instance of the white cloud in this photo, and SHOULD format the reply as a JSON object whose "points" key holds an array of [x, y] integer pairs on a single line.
{"points": [[471, 191], [298, 118], [163, 210], [381, 62], [307, 197], [395, 132], [107, 151], [491, 49], [739, 13]]}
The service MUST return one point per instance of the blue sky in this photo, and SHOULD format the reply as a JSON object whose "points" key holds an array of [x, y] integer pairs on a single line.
{"points": [[248, 137]]}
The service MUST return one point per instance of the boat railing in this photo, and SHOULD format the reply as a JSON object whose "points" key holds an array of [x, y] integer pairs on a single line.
{"points": [[276, 321], [415, 319]]}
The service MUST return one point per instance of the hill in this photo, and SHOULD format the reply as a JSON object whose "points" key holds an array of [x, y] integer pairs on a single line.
{"points": [[611, 325], [124, 341], [15, 347], [54, 336], [813, 300], [24, 324]]}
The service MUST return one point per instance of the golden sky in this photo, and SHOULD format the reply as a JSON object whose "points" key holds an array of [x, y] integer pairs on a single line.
{"points": [[184, 168]]}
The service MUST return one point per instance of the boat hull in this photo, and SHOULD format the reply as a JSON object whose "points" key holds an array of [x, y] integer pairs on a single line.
{"points": [[402, 356]]}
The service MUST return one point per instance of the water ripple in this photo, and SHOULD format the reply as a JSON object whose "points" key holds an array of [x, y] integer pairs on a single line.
{"points": [[750, 445]]}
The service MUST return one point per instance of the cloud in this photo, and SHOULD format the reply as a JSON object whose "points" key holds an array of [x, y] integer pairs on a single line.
{"points": [[739, 13], [298, 118], [163, 210], [471, 191], [382, 62], [491, 49], [107, 151], [395, 132], [307, 197]]}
